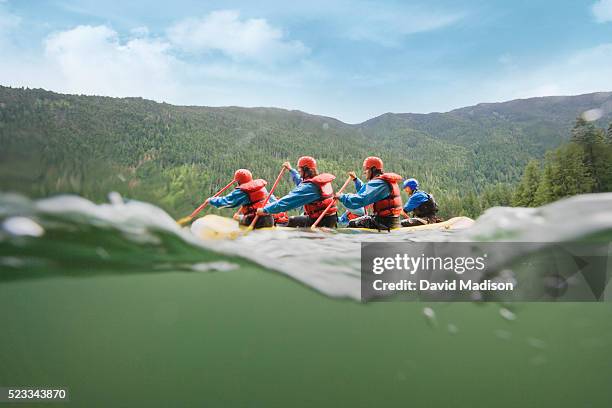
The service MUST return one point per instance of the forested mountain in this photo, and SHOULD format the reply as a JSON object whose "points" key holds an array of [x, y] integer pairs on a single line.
{"points": [[175, 156]]}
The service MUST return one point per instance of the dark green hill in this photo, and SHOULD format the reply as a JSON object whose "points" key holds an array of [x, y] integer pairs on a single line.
{"points": [[176, 155], [543, 121]]}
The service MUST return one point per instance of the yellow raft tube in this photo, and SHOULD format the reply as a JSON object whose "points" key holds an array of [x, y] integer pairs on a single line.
{"points": [[217, 227]]}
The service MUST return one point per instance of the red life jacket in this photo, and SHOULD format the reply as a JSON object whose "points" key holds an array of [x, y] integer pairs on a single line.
{"points": [[351, 216], [392, 204], [256, 190], [280, 218], [316, 208]]}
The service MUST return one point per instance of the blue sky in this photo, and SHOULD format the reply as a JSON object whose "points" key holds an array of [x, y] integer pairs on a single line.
{"points": [[351, 60]]}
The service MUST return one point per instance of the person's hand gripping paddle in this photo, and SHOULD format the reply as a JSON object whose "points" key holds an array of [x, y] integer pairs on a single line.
{"points": [[186, 220]]}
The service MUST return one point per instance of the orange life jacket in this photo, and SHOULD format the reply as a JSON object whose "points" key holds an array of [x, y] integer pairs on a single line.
{"points": [[392, 204], [316, 208], [257, 192], [352, 216], [280, 218]]}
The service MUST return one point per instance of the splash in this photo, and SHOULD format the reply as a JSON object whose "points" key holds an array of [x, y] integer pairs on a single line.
{"points": [[71, 236]]}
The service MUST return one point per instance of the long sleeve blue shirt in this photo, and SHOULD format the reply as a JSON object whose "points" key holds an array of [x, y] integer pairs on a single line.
{"points": [[302, 194], [295, 176], [374, 190], [358, 184], [234, 199], [417, 198]]}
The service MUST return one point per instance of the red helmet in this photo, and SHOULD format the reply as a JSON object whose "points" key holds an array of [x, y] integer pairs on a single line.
{"points": [[373, 161], [307, 161], [243, 176]]}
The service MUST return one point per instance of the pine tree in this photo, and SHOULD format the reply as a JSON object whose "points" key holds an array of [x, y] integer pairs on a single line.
{"points": [[472, 204], [544, 194], [572, 174], [581, 130], [593, 142], [525, 194]]}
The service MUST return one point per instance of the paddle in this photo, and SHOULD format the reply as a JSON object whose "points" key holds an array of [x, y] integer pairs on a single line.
{"points": [[348, 180], [267, 198], [186, 220]]}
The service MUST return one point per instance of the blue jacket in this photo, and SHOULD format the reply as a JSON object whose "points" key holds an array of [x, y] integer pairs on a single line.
{"points": [[369, 193], [302, 194], [234, 199], [358, 184], [295, 176], [416, 199]]}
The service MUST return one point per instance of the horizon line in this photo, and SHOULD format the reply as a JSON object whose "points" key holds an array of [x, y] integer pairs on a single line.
{"points": [[304, 112]]}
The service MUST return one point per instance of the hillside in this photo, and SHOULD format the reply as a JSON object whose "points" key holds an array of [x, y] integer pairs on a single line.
{"points": [[177, 155]]}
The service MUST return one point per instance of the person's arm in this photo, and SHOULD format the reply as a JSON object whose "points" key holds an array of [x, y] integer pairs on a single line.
{"points": [[295, 176], [232, 200], [343, 219], [410, 205], [414, 201], [358, 183], [368, 194], [356, 180], [238, 214], [303, 194]]}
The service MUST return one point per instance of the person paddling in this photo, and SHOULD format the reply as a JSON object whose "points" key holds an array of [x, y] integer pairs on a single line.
{"points": [[422, 205], [313, 191], [249, 196], [382, 192]]}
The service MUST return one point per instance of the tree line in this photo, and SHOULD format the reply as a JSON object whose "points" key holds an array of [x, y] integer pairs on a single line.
{"points": [[583, 165]]}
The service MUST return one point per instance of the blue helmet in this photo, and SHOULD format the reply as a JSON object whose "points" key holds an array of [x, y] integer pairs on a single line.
{"points": [[412, 183]]}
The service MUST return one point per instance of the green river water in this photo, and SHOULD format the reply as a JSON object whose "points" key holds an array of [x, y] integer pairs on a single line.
{"points": [[129, 317]]}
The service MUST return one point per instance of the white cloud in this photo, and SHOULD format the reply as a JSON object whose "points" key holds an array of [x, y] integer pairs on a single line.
{"points": [[602, 10], [223, 59], [388, 26], [225, 32], [92, 60], [97, 60]]}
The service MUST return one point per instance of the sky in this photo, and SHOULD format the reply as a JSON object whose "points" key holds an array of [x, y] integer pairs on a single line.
{"points": [[351, 60]]}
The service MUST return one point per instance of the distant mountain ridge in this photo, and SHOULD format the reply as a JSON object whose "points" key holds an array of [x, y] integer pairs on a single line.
{"points": [[558, 113]]}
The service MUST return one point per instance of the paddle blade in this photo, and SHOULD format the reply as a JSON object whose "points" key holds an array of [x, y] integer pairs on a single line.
{"points": [[185, 221]]}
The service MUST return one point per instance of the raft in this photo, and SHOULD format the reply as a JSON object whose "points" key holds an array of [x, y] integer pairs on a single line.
{"points": [[217, 227]]}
